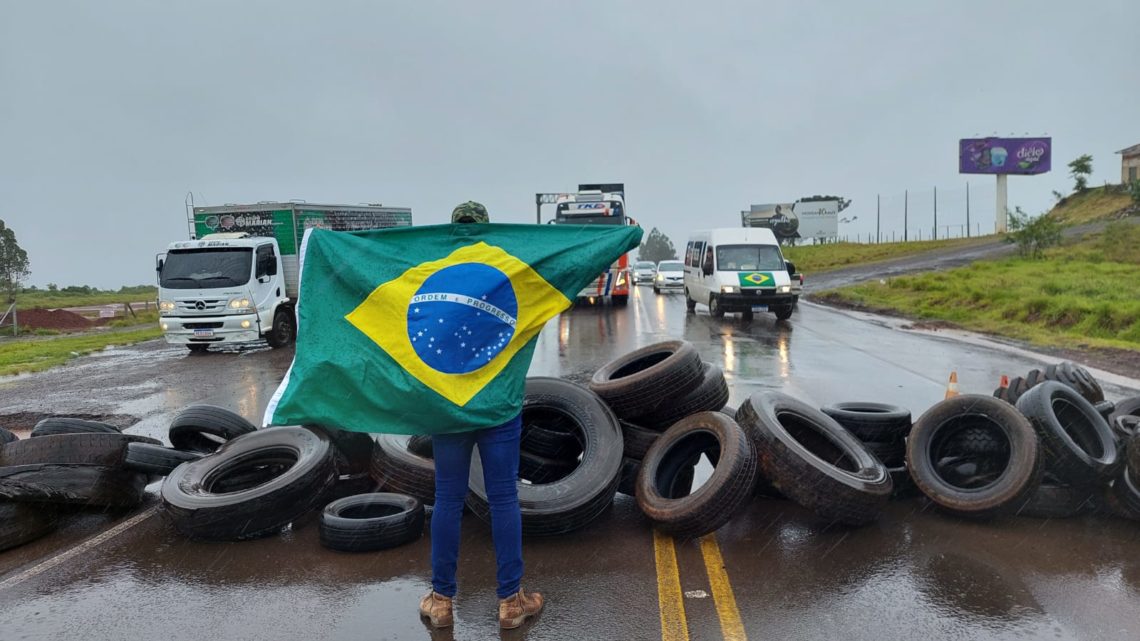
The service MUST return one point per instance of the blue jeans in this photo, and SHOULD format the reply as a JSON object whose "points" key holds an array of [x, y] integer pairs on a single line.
{"points": [[499, 454]]}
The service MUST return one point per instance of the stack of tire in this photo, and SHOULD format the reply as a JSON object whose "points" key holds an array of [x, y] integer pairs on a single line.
{"points": [[650, 390], [883, 429], [66, 464]]}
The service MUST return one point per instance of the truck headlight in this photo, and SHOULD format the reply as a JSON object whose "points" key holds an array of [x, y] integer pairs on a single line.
{"points": [[165, 306], [784, 289], [727, 289], [241, 305]]}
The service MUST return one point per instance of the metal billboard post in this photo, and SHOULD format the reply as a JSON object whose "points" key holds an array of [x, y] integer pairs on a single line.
{"points": [[967, 209], [906, 211], [1001, 214], [878, 210], [935, 235]]}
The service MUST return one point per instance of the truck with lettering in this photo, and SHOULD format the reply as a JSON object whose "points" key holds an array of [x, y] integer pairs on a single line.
{"points": [[599, 204], [236, 279]]}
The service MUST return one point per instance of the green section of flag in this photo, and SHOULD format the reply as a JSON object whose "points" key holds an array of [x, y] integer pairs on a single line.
{"points": [[424, 330], [757, 279]]}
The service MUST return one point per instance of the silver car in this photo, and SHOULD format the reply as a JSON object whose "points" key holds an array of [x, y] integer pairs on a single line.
{"points": [[670, 275], [643, 271]]}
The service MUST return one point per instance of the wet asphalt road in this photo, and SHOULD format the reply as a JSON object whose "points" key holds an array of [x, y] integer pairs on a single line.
{"points": [[914, 574]]}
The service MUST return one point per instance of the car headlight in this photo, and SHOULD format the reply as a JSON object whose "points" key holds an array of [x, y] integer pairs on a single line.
{"points": [[241, 304], [660, 276], [783, 289], [727, 289]]}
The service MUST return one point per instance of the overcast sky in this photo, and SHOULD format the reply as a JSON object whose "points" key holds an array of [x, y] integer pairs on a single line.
{"points": [[110, 112]]}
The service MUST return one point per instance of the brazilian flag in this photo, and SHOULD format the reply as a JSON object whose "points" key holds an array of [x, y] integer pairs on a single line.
{"points": [[757, 279], [426, 330]]}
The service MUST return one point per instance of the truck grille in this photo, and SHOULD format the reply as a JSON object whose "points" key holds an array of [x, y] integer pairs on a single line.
{"points": [[201, 306], [217, 325]]}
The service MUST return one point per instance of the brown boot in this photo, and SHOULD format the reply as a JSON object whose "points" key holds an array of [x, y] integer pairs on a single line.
{"points": [[436, 608], [515, 609]]}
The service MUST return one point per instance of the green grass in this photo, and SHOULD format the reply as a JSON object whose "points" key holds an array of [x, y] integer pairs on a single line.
{"points": [[52, 300], [34, 354], [1097, 203], [1083, 294], [814, 259]]}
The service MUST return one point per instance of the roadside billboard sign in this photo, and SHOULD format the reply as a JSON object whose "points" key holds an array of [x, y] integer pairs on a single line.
{"points": [[819, 219], [1004, 155], [790, 221], [779, 217]]}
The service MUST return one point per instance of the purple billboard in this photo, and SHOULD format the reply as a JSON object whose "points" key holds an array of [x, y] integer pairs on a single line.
{"points": [[1004, 155]]}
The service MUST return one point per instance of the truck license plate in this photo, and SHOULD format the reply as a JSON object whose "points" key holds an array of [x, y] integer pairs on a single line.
{"points": [[759, 308], [203, 333]]}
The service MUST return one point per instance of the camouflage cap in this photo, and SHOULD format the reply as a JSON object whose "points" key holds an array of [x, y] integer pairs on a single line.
{"points": [[470, 212]]}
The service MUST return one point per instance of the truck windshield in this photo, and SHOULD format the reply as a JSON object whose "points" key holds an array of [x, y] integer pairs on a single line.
{"points": [[747, 258], [212, 267]]}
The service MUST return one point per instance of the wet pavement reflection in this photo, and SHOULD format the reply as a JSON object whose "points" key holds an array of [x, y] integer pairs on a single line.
{"points": [[914, 574]]}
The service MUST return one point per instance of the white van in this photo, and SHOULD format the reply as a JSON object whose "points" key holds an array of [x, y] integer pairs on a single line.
{"points": [[738, 269]]}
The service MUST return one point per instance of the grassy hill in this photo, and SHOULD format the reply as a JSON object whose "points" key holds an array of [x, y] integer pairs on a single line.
{"points": [[1098, 203], [814, 259]]}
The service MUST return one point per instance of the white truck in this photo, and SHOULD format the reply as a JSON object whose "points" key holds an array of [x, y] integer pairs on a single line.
{"points": [[235, 280]]}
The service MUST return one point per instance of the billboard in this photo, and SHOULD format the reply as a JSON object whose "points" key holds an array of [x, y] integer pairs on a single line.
{"points": [[1004, 155], [791, 221]]}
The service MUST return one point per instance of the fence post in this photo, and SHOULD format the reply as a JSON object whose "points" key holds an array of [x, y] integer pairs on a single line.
{"points": [[906, 208]]}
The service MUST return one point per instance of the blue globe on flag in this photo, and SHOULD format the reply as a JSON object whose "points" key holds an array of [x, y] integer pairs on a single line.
{"points": [[462, 317]]}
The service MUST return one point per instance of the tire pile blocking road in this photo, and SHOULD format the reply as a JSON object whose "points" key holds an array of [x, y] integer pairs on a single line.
{"points": [[650, 424]]}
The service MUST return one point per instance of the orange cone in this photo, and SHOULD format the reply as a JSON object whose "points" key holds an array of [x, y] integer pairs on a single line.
{"points": [[952, 387]]}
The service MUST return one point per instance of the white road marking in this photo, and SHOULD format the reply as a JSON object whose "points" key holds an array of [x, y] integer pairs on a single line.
{"points": [[91, 543]]}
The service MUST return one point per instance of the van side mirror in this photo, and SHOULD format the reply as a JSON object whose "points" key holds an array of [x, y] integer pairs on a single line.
{"points": [[791, 266], [158, 264]]}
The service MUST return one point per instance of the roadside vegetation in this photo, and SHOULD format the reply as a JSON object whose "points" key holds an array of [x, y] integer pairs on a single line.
{"points": [[814, 259], [1096, 203], [82, 296], [37, 353], [1078, 294]]}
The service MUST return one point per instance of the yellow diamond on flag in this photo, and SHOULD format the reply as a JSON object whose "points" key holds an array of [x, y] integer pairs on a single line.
{"points": [[456, 322]]}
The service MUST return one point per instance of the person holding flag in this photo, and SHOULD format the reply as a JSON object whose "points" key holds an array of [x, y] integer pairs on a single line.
{"points": [[431, 330]]}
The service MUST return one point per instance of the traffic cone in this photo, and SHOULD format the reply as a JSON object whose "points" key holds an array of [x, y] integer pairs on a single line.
{"points": [[1004, 382], [952, 387]]}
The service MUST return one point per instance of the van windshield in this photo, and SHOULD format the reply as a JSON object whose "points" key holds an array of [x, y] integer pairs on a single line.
{"points": [[747, 258]]}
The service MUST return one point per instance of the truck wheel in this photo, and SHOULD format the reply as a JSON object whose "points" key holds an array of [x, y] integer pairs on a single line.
{"points": [[783, 313], [198, 348], [690, 304], [283, 331], [715, 310], [620, 301]]}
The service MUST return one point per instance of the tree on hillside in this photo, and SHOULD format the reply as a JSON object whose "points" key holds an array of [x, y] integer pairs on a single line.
{"points": [[1080, 169], [1033, 235], [656, 247], [13, 262]]}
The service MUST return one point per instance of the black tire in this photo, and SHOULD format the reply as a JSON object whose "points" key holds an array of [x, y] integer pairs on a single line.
{"points": [[995, 483], [728, 411], [637, 383], [399, 471], [1053, 500], [539, 469], [68, 449], [715, 309], [200, 504], [1132, 456], [619, 301], [84, 485], [156, 459], [64, 425], [421, 445], [1068, 373], [204, 428], [892, 455], [784, 312], [627, 482], [7, 437], [20, 524], [284, 329], [637, 439], [1125, 427], [690, 304], [198, 348], [353, 450], [1106, 409], [903, 486], [370, 522], [549, 436], [814, 461], [1127, 407], [677, 511], [1078, 444], [871, 421], [709, 395], [572, 502]]}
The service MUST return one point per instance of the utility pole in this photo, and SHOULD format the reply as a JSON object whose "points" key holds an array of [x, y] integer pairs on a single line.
{"points": [[878, 211], [906, 205], [935, 236]]}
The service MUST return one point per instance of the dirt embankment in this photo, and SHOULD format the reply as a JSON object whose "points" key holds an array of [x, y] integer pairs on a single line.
{"points": [[57, 319]]}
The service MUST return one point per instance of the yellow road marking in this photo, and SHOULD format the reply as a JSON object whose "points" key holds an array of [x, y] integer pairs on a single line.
{"points": [[674, 627], [730, 624]]}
